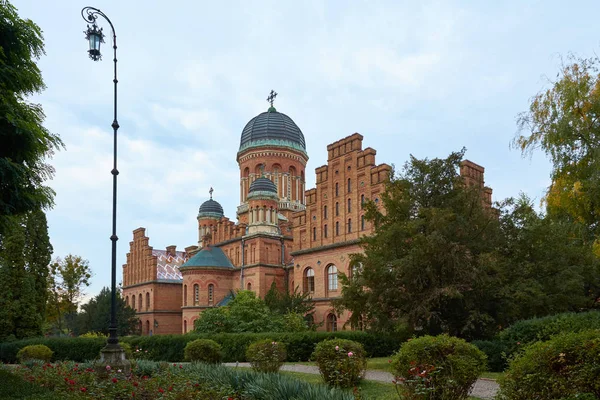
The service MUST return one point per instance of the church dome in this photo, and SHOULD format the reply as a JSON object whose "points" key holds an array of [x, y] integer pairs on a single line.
{"points": [[272, 128], [263, 184], [210, 209]]}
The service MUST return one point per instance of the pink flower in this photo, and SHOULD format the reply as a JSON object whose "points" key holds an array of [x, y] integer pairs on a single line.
{"points": [[337, 347], [119, 371], [350, 354], [108, 367]]}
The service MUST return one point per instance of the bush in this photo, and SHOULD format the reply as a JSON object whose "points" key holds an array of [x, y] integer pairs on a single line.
{"points": [[442, 367], [341, 362], [495, 350], [34, 352], [566, 366], [203, 350], [522, 333], [266, 355]]}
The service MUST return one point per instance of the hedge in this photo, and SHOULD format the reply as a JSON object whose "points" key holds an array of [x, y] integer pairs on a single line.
{"points": [[170, 348]]}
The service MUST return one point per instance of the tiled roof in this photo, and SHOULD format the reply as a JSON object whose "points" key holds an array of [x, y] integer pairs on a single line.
{"points": [[167, 266]]}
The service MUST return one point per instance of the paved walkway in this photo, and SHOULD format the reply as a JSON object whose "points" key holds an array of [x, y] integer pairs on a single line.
{"points": [[484, 388]]}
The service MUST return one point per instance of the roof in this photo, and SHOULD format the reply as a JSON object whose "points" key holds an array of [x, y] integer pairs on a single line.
{"points": [[209, 257], [263, 184], [210, 209], [167, 266], [272, 128]]}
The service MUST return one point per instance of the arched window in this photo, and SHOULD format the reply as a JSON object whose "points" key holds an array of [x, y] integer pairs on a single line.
{"points": [[337, 208], [349, 205], [337, 228], [324, 212], [332, 277], [349, 225], [356, 269], [362, 200], [133, 301], [325, 231], [140, 304], [249, 286], [310, 320], [349, 185], [331, 323], [314, 233], [362, 222], [185, 295], [147, 301], [184, 326], [337, 189], [211, 294], [147, 332], [309, 280], [127, 301], [196, 294]]}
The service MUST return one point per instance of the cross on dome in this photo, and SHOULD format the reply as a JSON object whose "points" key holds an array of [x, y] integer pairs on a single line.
{"points": [[210, 192], [271, 97]]}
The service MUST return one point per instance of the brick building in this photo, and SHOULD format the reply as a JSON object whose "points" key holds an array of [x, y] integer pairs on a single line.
{"points": [[284, 233]]}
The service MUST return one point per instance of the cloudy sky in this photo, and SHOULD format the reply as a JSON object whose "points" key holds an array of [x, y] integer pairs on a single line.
{"points": [[414, 77]]}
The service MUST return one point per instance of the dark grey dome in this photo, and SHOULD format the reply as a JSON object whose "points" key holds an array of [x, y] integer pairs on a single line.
{"points": [[210, 208], [272, 128], [263, 184]]}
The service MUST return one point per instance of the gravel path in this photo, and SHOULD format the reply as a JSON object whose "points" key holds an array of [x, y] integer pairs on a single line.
{"points": [[483, 388]]}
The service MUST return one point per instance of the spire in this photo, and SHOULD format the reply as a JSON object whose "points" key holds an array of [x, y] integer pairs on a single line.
{"points": [[210, 192], [271, 99]]}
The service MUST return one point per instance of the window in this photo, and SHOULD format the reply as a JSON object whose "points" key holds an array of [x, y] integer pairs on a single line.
{"points": [[147, 301], [337, 228], [133, 301], [356, 269], [249, 286], [310, 320], [127, 301], [332, 277], [211, 293], [331, 323], [349, 185], [314, 233], [185, 295], [140, 304], [309, 280], [349, 205], [337, 209], [337, 189], [362, 200], [324, 212], [147, 326], [184, 326], [325, 230], [196, 294], [349, 225], [362, 222]]}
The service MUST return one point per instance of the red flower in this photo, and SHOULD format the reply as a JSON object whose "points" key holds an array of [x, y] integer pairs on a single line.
{"points": [[161, 390], [115, 380], [83, 389], [71, 382], [135, 384]]}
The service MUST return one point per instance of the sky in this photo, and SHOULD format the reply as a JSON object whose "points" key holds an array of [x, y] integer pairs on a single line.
{"points": [[424, 78]]}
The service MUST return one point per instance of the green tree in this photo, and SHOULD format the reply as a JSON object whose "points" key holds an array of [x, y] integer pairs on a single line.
{"points": [[427, 263], [95, 315], [26, 144], [564, 122], [67, 279], [284, 302]]}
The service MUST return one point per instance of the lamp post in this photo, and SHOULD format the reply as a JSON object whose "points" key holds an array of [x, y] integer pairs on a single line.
{"points": [[112, 354]]}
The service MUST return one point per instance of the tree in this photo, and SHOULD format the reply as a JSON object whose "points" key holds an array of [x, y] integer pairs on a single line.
{"points": [[26, 144], [427, 262], [25, 253], [95, 315], [67, 279], [285, 302], [564, 122]]}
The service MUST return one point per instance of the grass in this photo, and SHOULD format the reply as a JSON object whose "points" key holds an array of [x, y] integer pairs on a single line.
{"points": [[13, 387]]}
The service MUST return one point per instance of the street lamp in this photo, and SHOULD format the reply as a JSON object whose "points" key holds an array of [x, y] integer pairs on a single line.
{"points": [[112, 354]]}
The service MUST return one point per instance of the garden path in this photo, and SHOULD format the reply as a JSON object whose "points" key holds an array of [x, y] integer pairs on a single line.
{"points": [[484, 388]]}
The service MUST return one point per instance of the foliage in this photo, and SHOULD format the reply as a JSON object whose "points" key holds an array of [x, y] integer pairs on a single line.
{"points": [[203, 350], [563, 367], [341, 362], [438, 367], [35, 352], [182, 382], [95, 315], [285, 302], [563, 122], [427, 262], [266, 355], [170, 348], [517, 336], [495, 350], [67, 279], [26, 144]]}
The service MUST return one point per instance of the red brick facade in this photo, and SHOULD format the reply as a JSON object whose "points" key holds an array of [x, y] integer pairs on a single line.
{"points": [[302, 240]]}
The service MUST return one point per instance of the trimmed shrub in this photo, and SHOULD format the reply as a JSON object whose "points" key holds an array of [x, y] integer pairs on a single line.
{"points": [[495, 350], [203, 350], [565, 367], [440, 367], [266, 355], [342, 363], [34, 352]]}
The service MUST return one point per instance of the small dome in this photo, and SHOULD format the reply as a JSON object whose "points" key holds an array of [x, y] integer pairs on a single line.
{"points": [[210, 209], [272, 128], [263, 184]]}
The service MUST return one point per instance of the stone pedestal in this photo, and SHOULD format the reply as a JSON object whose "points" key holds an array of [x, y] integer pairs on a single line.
{"points": [[112, 355]]}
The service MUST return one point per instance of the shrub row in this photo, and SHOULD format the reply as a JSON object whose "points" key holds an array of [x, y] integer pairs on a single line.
{"points": [[170, 348]]}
